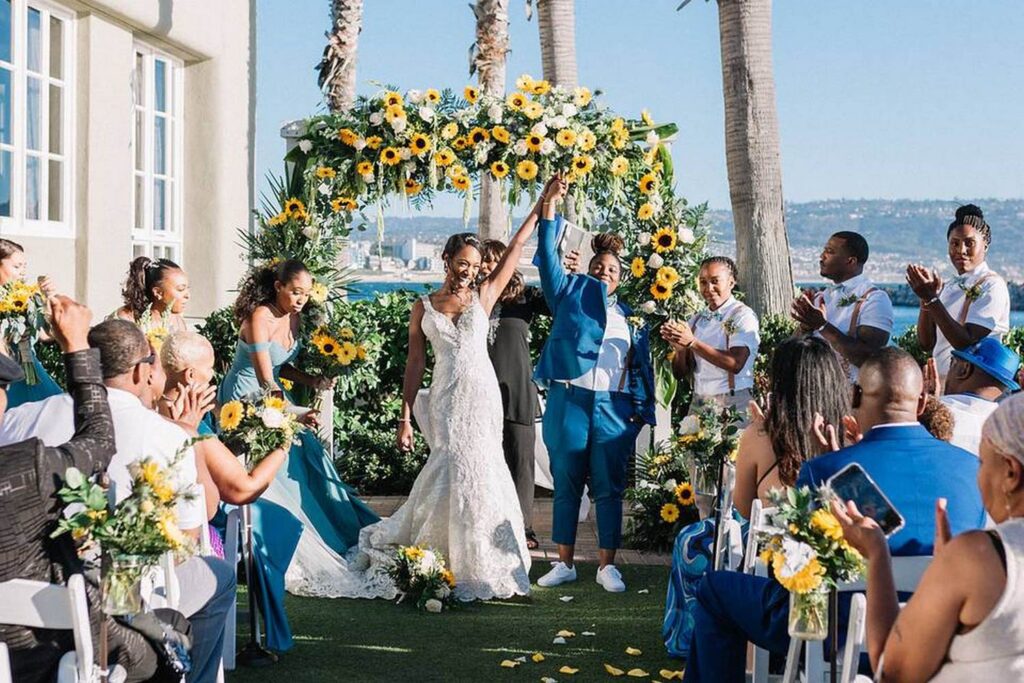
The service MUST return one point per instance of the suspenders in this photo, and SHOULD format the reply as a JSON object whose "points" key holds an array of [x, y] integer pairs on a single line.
{"points": [[726, 326], [962, 318]]}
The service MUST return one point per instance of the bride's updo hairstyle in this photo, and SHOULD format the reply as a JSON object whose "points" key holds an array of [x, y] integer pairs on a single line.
{"points": [[606, 243], [457, 242], [144, 275], [258, 287]]}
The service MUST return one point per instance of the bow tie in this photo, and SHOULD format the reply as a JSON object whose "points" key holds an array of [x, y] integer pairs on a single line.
{"points": [[835, 287], [960, 280], [707, 315], [613, 300]]}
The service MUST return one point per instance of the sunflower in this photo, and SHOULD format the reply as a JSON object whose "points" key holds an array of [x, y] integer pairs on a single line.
{"points": [[413, 553], [663, 240], [393, 99], [803, 581], [667, 275], [500, 134], [534, 142], [419, 144], [390, 156], [583, 164], [648, 184], [582, 97], [325, 344], [540, 87], [460, 143], [516, 101], [533, 110], [448, 577], [347, 136], [645, 212], [343, 204], [279, 219], [394, 114], [478, 135], [638, 267], [661, 291], [499, 169], [525, 82], [526, 169], [364, 167], [318, 292], [444, 157], [374, 141], [360, 352], [346, 353], [286, 384], [684, 494], [412, 188], [231, 415], [566, 137], [460, 182], [432, 96], [274, 402], [825, 522], [471, 94], [325, 172], [619, 166], [294, 206], [587, 140], [457, 170], [670, 512]]}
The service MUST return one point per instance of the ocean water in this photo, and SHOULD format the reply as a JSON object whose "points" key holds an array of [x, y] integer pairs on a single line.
{"points": [[905, 316]]}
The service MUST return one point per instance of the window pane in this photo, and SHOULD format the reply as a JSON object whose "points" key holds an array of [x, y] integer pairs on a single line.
{"points": [[55, 200], [56, 119], [5, 30], [138, 250], [159, 205], [140, 141], [160, 127], [140, 79], [35, 49], [32, 187], [34, 115], [6, 103], [56, 47], [5, 183], [160, 84], [140, 202]]}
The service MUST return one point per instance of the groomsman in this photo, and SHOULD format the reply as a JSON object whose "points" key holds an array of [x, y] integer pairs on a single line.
{"points": [[851, 314]]}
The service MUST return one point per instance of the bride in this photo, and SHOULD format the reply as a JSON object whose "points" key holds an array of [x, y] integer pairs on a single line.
{"points": [[463, 503]]}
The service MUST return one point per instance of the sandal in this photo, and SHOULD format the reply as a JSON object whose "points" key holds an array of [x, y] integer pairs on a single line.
{"points": [[531, 540]]}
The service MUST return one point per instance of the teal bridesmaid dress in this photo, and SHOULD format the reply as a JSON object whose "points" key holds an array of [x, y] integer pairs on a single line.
{"points": [[327, 503], [22, 392]]}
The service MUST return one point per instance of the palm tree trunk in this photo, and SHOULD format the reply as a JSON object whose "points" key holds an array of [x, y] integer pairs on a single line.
{"points": [[489, 62], [337, 69], [557, 21], [752, 154]]}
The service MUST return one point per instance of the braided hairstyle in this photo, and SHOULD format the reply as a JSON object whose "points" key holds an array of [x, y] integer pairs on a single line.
{"points": [[606, 243], [972, 215], [258, 287], [493, 250], [144, 274], [723, 261]]}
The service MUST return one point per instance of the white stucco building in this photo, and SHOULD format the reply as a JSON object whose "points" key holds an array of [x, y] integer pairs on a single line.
{"points": [[127, 128]]}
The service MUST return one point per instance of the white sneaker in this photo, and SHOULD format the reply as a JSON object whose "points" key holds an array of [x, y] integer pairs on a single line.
{"points": [[559, 574], [610, 579]]}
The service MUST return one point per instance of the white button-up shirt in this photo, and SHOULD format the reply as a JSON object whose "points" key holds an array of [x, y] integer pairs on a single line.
{"points": [[138, 432], [737, 322], [607, 373], [990, 310], [841, 300], [969, 414]]}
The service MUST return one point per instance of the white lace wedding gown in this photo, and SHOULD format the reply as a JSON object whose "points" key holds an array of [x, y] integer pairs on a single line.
{"points": [[463, 503]]}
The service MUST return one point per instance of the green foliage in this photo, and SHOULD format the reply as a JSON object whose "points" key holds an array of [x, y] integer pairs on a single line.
{"points": [[775, 329], [909, 342], [1014, 340], [52, 358], [222, 332]]}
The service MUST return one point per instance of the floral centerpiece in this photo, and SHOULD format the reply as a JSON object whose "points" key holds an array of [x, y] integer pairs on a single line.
{"points": [[420, 572], [707, 439], [132, 535], [22, 318], [255, 426], [662, 501], [808, 555]]}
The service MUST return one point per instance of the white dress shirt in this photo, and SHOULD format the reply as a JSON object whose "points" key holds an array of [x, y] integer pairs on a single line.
{"points": [[969, 414], [991, 310], [709, 327], [607, 373], [840, 301], [138, 432]]}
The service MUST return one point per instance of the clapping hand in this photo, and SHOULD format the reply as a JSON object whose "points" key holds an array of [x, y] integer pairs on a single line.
{"points": [[931, 379], [192, 404], [926, 283], [572, 261], [678, 335], [863, 533], [809, 314], [828, 436]]}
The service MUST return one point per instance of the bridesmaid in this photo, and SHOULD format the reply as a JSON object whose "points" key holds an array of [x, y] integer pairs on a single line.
{"points": [[155, 295], [13, 265]]}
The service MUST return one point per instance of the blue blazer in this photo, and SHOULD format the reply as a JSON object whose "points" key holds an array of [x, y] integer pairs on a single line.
{"points": [[913, 469], [580, 304]]}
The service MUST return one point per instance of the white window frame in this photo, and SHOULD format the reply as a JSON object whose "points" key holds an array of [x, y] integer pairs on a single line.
{"points": [[146, 240], [17, 223]]}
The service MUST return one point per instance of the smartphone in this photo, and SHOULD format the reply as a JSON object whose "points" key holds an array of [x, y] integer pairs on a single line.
{"points": [[853, 483]]}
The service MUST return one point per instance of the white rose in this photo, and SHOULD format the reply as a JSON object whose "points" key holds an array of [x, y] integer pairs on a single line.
{"points": [[689, 425], [480, 153], [548, 146], [495, 112], [670, 485], [686, 236], [360, 144], [520, 148], [428, 561], [405, 153], [426, 113], [655, 261], [310, 231], [324, 189], [433, 606], [443, 592], [399, 125], [569, 110], [648, 307], [414, 96], [376, 118], [305, 146], [368, 178], [539, 128], [797, 555], [272, 418], [644, 239], [652, 138]]}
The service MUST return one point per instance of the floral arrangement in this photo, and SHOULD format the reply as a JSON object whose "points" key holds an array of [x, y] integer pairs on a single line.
{"points": [[335, 351], [22, 317], [255, 426], [807, 553], [420, 572], [707, 439], [155, 327], [663, 501], [133, 534]]}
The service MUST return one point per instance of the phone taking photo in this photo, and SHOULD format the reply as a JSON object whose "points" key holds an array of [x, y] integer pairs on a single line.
{"points": [[853, 483]]}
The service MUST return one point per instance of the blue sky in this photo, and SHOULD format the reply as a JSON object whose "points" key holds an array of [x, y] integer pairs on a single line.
{"points": [[915, 99]]}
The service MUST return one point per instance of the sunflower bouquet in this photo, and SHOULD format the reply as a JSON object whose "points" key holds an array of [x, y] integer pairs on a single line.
{"points": [[335, 351], [257, 425], [662, 501], [807, 553], [421, 573], [707, 439], [132, 535], [22, 318]]}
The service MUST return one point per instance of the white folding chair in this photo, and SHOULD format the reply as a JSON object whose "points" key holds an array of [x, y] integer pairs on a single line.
{"points": [[5, 665], [46, 605], [752, 564], [231, 546], [729, 533]]}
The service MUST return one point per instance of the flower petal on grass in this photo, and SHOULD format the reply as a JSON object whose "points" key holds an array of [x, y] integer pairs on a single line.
{"points": [[565, 634], [558, 641], [537, 657], [637, 673], [566, 598], [521, 660], [509, 664], [588, 633], [632, 651], [568, 670], [671, 675], [612, 671], [644, 591]]}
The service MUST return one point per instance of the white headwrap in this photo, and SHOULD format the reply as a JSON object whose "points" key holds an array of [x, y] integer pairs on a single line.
{"points": [[1005, 427]]}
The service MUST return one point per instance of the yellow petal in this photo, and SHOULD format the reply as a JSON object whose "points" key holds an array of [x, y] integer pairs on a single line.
{"points": [[637, 673], [537, 657], [565, 634], [568, 670], [509, 664], [613, 671], [671, 675], [633, 651]]}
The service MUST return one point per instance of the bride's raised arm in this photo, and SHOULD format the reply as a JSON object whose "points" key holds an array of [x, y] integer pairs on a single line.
{"points": [[492, 287], [415, 365]]}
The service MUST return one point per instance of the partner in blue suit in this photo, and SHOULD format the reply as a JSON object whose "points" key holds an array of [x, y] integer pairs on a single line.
{"points": [[598, 368], [911, 467]]}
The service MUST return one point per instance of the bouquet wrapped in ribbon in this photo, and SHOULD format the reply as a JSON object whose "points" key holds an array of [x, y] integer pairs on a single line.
{"points": [[257, 425], [22, 318], [421, 573]]}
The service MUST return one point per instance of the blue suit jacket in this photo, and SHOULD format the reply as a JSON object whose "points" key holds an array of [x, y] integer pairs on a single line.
{"points": [[579, 304], [913, 469]]}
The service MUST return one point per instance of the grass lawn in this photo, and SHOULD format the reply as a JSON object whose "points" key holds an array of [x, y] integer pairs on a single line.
{"points": [[376, 640]]}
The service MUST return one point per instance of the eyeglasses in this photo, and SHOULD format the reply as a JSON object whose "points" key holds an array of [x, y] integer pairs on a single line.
{"points": [[148, 360]]}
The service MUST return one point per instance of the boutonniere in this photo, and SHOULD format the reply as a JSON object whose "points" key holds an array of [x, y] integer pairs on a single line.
{"points": [[848, 300], [730, 327], [974, 292]]}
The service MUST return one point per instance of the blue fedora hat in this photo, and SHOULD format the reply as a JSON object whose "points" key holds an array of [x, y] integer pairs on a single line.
{"points": [[995, 359]]}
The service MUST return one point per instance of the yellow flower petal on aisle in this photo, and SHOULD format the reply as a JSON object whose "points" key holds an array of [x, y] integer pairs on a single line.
{"points": [[509, 664], [537, 657], [471, 94], [613, 671], [231, 415], [669, 513], [664, 240], [637, 673], [638, 267], [634, 652], [671, 675], [565, 634], [568, 671], [526, 169]]}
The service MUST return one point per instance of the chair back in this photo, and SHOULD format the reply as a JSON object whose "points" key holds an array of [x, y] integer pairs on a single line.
{"points": [[728, 534]]}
